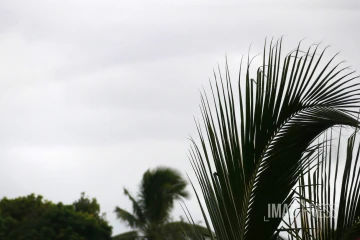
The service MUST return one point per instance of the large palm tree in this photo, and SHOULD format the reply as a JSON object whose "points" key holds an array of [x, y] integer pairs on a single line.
{"points": [[159, 189], [259, 143]]}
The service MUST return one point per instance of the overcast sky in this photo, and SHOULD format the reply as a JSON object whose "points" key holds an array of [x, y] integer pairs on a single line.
{"points": [[93, 93]]}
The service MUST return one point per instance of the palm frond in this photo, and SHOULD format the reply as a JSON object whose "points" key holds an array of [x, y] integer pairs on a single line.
{"points": [[327, 213], [127, 218], [252, 150], [138, 211]]}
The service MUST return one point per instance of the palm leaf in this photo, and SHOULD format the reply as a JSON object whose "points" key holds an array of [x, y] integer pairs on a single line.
{"points": [[252, 150], [337, 214], [127, 217], [136, 208]]}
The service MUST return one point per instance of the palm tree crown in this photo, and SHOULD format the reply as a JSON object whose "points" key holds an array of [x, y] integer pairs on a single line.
{"points": [[159, 189]]}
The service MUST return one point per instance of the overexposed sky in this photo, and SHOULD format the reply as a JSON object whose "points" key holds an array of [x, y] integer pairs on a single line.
{"points": [[93, 93]]}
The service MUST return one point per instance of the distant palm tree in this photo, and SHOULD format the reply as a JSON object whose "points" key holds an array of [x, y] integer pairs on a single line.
{"points": [[260, 143], [159, 189]]}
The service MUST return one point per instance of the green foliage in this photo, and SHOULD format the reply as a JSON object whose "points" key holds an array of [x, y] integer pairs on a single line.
{"points": [[159, 189], [85, 205], [256, 143], [32, 218]]}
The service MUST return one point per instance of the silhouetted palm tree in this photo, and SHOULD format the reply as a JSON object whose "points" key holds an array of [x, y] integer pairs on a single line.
{"points": [[159, 189]]}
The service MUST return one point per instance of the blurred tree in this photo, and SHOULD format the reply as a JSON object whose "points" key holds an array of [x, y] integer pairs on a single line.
{"points": [[32, 218], [151, 210], [85, 205]]}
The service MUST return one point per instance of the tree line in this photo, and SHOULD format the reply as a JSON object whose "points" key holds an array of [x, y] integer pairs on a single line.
{"points": [[32, 217]]}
